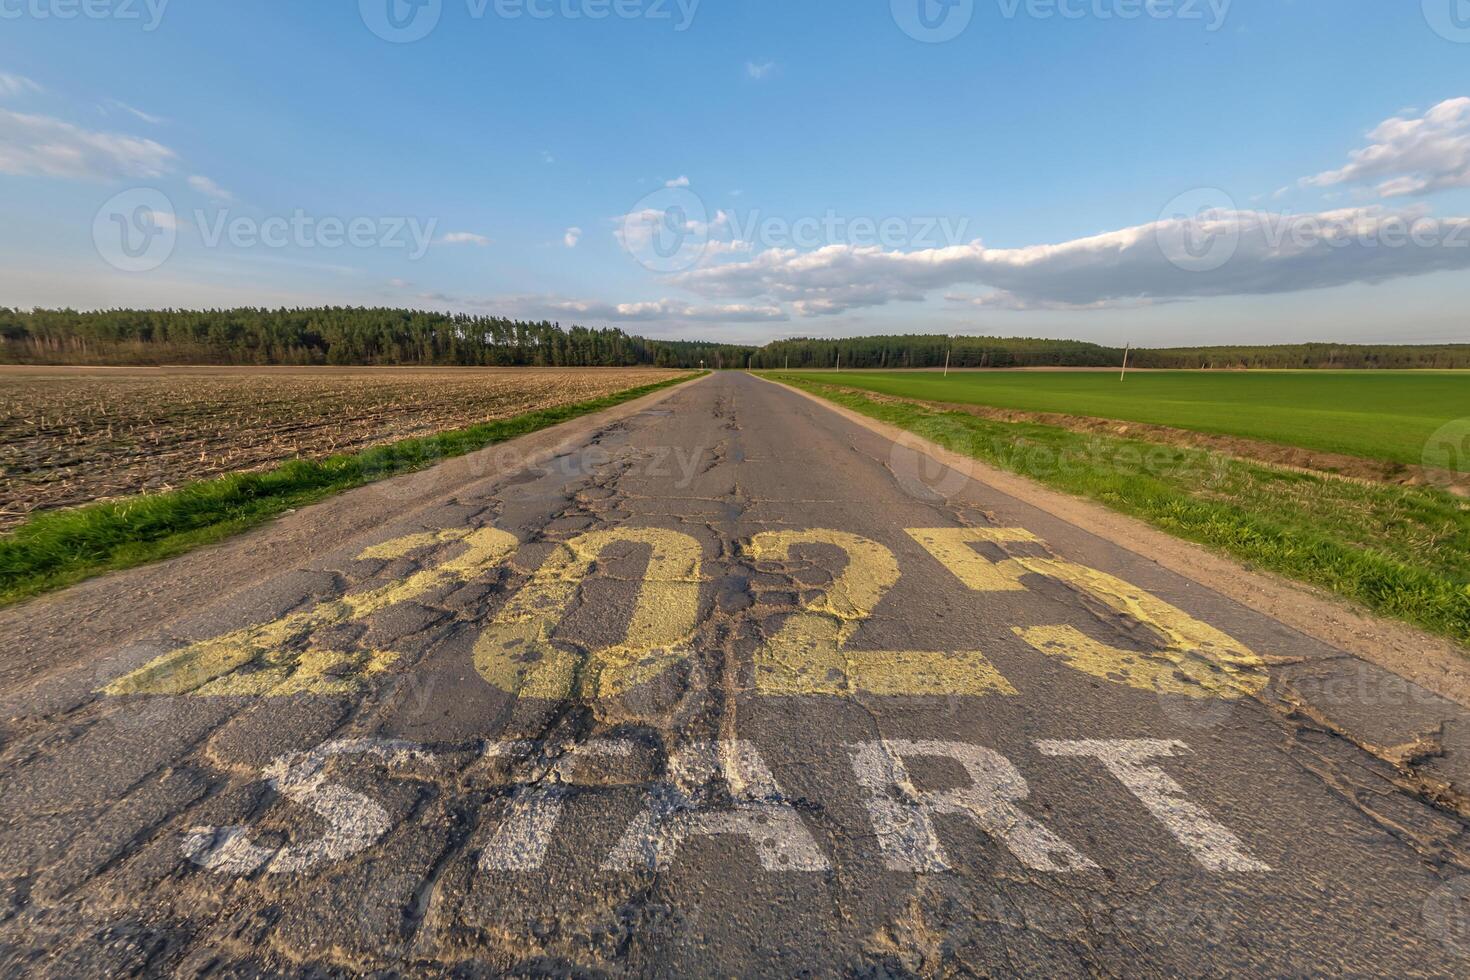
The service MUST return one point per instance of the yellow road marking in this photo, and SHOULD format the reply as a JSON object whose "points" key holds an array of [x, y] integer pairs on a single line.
{"points": [[1193, 659], [809, 656], [516, 653], [215, 668]]}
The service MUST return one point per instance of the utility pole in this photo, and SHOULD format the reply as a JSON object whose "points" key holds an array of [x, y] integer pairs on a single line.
{"points": [[839, 360], [1126, 350], [788, 360], [948, 351]]}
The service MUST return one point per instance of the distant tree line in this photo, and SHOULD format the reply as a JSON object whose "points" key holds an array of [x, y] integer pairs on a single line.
{"points": [[377, 336], [332, 335], [1326, 356], [900, 352]]}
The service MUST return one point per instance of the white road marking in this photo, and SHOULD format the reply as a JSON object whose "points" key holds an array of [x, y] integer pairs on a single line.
{"points": [[354, 822], [1212, 845], [760, 813], [524, 836], [903, 815]]}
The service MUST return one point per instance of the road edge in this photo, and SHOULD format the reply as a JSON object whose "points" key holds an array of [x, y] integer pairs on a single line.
{"points": [[1434, 663]]}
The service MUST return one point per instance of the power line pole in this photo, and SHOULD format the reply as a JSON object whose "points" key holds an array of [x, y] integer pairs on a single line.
{"points": [[948, 351], [1126, 350]]}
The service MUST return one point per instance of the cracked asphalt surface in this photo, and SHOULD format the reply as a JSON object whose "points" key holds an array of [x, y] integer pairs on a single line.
{"points": [[724, 685]]}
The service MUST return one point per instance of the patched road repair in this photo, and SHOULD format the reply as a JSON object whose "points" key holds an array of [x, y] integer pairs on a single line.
{"points": [[724, 685]]}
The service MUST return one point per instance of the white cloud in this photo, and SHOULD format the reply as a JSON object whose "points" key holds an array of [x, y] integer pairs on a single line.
{"points": [[11, 85], [147, 117], [572, 237], [464, 238], [543, 306], [759, 70], [1411, 156], [209, 188], [1002, 300], [1269, 253], [42, 146], [677, 182], [636, 229], [668, 309], [547, 157]]}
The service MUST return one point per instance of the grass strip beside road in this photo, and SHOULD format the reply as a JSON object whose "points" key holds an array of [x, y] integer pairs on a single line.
{"points": [[1402, 552], [59, 548]]}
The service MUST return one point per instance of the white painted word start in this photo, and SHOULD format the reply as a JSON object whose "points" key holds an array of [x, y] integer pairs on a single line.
{"points": [[902, 816]]}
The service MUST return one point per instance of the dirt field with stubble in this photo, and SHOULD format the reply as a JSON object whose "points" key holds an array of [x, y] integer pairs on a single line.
{"points": [[70, 436]]}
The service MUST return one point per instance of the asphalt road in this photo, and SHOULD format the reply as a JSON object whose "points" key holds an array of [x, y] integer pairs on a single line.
{"points": [[727, 686]]}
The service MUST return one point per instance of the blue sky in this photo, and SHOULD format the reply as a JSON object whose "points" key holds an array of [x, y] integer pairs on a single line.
{"points": [[1100, 169]]}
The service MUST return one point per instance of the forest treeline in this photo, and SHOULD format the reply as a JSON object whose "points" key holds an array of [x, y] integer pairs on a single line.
{"points": [[376, 336], [334, 336], [900, 352]]}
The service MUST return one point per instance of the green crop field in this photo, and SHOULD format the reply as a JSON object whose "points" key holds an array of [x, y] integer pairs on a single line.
{"points": [[1386, 415]]}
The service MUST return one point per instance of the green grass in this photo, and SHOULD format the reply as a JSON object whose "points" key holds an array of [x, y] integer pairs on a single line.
{"points": [[58, 548], [1385, 415], [1400, 551]]}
